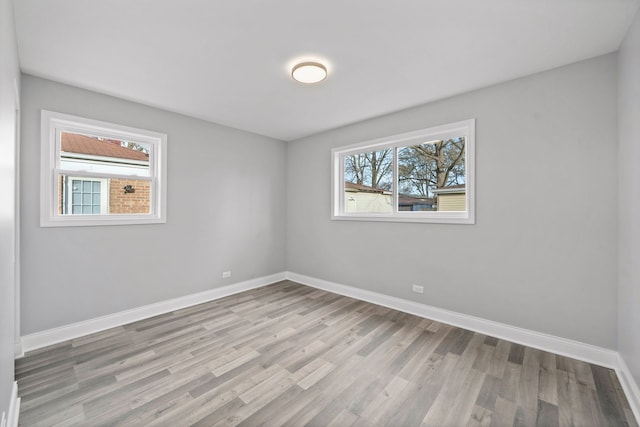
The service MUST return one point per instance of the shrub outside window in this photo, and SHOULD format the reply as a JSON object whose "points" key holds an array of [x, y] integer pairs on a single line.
{"points": [[98, 173], [421, 176]]}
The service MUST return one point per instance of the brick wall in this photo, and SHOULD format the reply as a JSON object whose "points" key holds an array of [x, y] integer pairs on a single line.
{"points": [[129, 203]]}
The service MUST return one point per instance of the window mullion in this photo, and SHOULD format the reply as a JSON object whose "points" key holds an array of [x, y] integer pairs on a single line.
{"points": [[396, 185]]}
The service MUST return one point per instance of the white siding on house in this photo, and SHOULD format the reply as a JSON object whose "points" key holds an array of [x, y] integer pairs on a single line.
{"points": [[106, 167], [452, 202], [366, 202]]}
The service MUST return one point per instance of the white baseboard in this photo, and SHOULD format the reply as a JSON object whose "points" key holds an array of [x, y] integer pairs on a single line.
{"points": [[565, 347], [570, 348], [630, 387], [63, 333], [14, 409]]}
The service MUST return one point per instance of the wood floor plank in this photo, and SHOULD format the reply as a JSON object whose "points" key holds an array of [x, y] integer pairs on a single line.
{"points": [[503, 413], [291, 355], [527, 397], [458, 382], [462, 406], [488, 393], [498, 361], [344, 419], [609, 404], [381, 410], [547, 415], [308, 404], [480, 417], [565, 406], [548, 383]]}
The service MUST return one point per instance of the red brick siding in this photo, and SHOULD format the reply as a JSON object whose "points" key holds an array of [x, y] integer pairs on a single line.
{"points": [[129, 203]]}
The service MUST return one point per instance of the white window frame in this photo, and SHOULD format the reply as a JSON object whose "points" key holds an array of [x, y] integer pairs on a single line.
{"points": [[464, 128], [52, 124]]}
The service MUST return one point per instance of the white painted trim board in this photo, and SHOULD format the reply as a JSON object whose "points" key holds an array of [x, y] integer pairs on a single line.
{"points": [[565, 347], [63, 333], [629, 386], [553, 344], [570, 348], [14, 409]]}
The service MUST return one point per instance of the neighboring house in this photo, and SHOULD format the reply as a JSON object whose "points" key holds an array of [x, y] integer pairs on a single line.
{"points": [[452, 198], [364, 199], [415, 204], [361, 198], [102, 195]]}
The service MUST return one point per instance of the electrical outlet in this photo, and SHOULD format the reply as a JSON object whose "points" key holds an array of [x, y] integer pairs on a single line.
{"points": [[226, 274], [417, 288]]}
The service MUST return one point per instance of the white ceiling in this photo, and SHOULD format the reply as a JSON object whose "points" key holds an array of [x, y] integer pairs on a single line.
{"points": [[228, 61]]}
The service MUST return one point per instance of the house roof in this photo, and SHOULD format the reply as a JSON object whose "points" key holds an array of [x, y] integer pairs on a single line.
{"points": [[405, 199], [82, 144], [363, 188], [453, 189]]}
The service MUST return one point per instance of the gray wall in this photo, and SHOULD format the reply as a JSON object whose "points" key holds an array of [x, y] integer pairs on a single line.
{"points": [[226, 211], [9, 76], [543, 253], [629, 203]]}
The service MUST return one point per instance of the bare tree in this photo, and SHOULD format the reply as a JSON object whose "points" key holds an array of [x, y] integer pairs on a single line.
{"points": [[355, 167], [433, 165], [135, 146], [372, 168]]}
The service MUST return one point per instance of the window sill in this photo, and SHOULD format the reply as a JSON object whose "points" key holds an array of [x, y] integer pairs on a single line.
{"points": [[100, 220], [431, 219]]}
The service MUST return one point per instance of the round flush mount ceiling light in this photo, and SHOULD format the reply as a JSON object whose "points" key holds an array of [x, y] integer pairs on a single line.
{"points": [[309, 72]]}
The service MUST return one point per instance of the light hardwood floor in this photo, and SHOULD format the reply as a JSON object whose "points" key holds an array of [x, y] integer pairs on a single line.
{"points": [[287, 354]]}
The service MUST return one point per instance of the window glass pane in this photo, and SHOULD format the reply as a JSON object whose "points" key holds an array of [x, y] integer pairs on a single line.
{"points": [[432, 176], [120, 196], [83, 199], [87, 153], [129, 196], [368, 182]]}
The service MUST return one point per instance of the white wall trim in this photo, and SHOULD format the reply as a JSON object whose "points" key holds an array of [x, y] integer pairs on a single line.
{"points": [[63, 333], [630, 387], [565, 347], [570, 348], [14, 409]]}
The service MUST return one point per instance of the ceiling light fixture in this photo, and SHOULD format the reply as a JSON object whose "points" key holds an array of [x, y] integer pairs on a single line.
{"points": [[309, 72]]}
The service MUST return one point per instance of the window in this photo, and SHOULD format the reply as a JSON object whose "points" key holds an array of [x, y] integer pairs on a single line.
{"points": [[97, 173], [84, 196], [421, 176]]}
